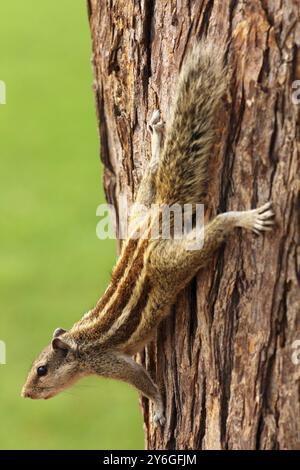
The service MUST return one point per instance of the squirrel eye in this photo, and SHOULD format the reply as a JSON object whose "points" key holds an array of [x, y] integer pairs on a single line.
{"points": [[42, 370]]}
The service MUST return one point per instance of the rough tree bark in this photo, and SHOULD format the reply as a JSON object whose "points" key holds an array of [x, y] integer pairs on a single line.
{"points": [[224, 358]]}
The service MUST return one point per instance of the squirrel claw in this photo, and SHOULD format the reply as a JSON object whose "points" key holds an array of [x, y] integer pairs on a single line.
{"points": [[263, 208]]}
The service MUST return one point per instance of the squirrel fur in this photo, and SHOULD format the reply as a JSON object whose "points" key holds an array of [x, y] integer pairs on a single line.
{"points": [[150, 273]]}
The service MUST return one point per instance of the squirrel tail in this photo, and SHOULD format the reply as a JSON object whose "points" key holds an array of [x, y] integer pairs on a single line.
{"points": [[191, 133]]}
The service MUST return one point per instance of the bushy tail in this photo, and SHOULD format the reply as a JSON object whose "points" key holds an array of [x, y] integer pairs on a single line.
{"points": [[191, 133]]}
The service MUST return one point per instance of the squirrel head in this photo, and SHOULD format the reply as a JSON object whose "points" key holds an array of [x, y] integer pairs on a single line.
{"points": [[56, 368]]}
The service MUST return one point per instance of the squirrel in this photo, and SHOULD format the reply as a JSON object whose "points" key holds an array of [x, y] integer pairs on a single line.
{"points": [[150, 273]]}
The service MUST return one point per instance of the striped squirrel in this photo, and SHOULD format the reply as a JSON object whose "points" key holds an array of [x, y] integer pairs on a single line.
{"points": [[150, 273]]}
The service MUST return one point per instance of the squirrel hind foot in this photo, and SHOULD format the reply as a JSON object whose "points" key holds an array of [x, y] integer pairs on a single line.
{"points": [[260, 219], [156, 124]]}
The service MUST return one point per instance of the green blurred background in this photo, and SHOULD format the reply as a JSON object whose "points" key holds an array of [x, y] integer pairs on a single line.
{"points": [[52, 266]]}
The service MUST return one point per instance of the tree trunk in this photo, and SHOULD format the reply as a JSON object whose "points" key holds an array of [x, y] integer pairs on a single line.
{"points": [[225, 357]]}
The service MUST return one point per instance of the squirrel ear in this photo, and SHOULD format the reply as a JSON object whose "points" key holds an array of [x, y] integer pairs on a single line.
{"points": [[60, 344], [58, 332]]}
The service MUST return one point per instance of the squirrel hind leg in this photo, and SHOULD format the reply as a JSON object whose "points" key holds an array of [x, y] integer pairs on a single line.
{"points": [[258, 220], [156, 129]]}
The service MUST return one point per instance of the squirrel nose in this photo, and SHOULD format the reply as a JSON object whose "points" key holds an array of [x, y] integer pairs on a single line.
{"points": [[25, 394]]}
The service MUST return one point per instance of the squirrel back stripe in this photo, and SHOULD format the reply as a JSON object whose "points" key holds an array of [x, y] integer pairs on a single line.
{"points": [[190, 134]]}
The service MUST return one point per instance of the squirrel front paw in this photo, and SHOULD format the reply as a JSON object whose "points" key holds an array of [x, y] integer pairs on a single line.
{"points": [[159, 415], [159, 418]]}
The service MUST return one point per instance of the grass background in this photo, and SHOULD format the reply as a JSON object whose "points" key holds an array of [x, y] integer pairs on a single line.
{"points": [[52, 266]]}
